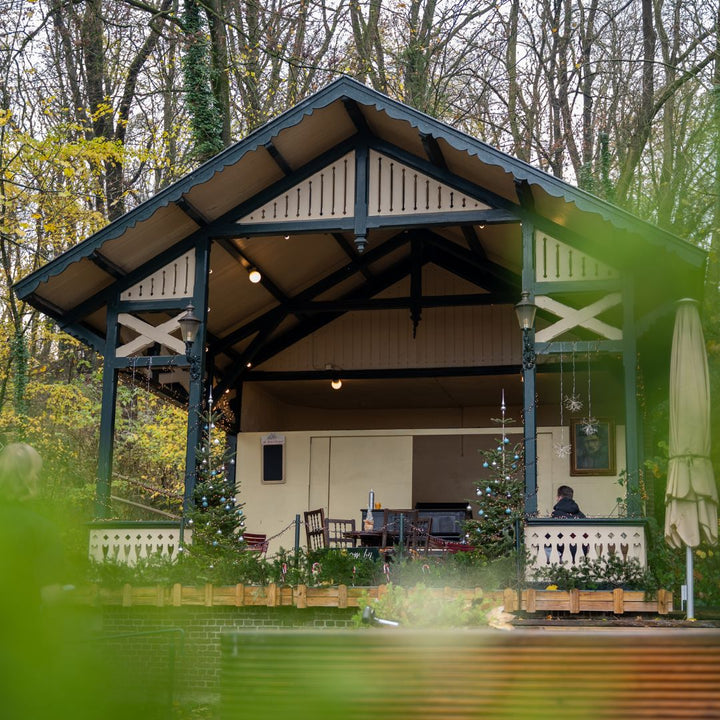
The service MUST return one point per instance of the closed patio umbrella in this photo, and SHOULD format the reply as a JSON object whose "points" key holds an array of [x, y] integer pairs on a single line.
{"points": [[691, 496]]}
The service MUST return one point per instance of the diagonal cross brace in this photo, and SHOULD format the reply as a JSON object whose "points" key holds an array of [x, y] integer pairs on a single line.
{"points": [[149, 334], [582, 317]]}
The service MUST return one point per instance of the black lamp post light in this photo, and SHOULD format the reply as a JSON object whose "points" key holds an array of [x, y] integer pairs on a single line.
{"points": [[525, 311], [189, 326]]}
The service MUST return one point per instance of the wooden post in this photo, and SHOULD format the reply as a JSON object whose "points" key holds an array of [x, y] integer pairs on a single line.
{"points": [[529, 371], [509, 600], [239, 595], [530, 600], [618, 601], [177, 595], [342, 598], [107, 416], [197, 372], [127, 595], [208, 594], [664, 601], [574, 601], [301, 597], [632, 456]]}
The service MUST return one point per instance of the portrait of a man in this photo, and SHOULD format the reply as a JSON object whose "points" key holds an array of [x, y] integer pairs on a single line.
{"points": [[593, 453]]}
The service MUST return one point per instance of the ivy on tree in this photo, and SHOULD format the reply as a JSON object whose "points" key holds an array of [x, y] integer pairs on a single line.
{"points": [[217, 519], [499, 497]]}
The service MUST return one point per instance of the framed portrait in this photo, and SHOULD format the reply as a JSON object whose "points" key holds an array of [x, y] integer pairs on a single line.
{"points": [[592, 454]]}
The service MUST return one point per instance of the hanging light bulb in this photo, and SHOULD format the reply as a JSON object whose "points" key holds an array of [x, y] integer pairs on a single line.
{"points": [[254, 275], [336, 383]]}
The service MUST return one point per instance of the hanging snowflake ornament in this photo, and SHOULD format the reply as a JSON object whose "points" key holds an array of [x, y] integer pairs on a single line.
{"points": [[589, 426], [561, 450], [573, 403]]}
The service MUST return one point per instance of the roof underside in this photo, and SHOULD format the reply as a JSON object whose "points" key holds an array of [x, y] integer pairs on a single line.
{"points": [[304, 266]]}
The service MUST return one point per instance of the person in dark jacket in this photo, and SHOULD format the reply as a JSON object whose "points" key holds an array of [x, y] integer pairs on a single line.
{"points": [[566, 507]]}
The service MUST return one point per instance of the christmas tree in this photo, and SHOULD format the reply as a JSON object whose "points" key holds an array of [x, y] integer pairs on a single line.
{"points": [[217, 520], [499, 496]]}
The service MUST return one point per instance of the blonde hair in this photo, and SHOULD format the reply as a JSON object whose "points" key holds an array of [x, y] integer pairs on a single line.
{"points": [[20, 466]]}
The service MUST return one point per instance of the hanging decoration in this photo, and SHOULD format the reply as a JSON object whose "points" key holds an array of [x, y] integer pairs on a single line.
{"points": [[573, 403], [589, 423], [561, 448]]}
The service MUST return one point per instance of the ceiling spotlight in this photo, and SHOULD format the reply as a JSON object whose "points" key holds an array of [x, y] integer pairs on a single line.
{"points": [[254, 275], [336, 383]]}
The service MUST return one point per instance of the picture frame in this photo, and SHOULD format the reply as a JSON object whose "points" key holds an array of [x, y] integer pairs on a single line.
{"points": [[592, 454]]}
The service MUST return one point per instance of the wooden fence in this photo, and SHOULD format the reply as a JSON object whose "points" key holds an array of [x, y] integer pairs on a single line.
{"points": [[617, 601]]}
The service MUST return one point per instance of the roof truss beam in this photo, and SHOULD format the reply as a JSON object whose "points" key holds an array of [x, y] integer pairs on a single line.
{"points": [[323, 285], [307, 327]]}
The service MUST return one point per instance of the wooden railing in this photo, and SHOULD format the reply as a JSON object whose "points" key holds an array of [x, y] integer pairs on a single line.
{"points": [[617, 601]]}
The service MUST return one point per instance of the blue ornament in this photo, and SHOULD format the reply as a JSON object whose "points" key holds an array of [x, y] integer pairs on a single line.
{"points": [[222, 499], [215, 542], [485, 464], [481, 512], [516, 457], [205, 503], [508, 511], [487, 489], [507, 440]]}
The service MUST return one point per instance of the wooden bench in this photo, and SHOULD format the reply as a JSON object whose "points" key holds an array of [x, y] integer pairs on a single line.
{"points": [[519, 675]]}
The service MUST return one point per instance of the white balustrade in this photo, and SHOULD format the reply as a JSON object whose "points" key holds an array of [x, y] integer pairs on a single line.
{"points": [[129, 542], [569, 542]]}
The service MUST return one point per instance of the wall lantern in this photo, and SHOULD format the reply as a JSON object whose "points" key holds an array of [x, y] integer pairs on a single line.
{"points": [[189, 325], [525, 311]]}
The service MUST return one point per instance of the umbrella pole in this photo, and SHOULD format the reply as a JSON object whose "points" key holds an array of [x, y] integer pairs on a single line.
{"points": [[689, 583]]}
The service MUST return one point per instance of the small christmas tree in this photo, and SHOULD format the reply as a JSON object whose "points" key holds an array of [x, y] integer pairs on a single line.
{"points": [[500, 496], [217, 519]]}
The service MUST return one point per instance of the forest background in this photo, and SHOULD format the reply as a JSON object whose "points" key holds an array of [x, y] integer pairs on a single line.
{"points": [[105, 102]]}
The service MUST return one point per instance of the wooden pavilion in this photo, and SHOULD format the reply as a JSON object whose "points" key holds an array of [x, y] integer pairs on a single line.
{"points": [[389, 251]]}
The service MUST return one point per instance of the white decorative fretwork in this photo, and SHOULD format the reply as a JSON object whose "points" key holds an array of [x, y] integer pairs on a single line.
{"points": [[329, 193], [398, 189], [128, 545], [558, 262], [175, 280], [570, 543], [581, 317], [150, 334], [393, 189]]}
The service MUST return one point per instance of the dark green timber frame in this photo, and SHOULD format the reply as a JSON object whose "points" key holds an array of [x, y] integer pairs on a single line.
{"points": [[499, 284]]}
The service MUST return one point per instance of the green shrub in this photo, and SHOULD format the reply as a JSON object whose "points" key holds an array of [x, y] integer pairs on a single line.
{"points": [[423, 607]]}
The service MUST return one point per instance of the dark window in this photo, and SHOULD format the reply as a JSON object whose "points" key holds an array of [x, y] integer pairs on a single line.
{"points": [[273, 463]]}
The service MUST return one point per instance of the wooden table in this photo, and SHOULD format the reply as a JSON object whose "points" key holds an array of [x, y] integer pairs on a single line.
{"points": [[367, 538]]}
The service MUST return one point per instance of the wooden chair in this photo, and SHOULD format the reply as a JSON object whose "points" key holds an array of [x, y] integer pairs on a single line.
{"points": [[417, 536], [315, 529], [391, 524], [256, 542], [334, 533]]}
